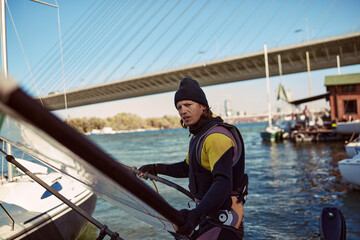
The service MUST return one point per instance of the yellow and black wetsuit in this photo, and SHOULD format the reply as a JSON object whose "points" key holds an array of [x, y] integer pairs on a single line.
{"points": [[215, 167]]}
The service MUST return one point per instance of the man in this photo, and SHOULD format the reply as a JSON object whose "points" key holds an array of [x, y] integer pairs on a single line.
{"points": [[307, 114], [215, 168]]}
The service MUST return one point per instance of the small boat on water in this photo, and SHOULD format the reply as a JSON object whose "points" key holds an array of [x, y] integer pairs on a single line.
{"points": [[348, 127], [29, 211], [352, 148], [272, 133], [350, 169]]}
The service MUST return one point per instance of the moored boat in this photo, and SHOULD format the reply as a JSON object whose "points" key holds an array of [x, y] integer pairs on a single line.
{"points": [[348, 127], [35, 213], [272, 133], [350, 169], [352, 148]]}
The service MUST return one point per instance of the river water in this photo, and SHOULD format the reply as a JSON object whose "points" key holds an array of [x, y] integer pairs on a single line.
{"points": [[289, 184]]}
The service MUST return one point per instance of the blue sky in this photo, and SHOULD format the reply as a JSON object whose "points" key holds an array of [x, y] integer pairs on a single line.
{"points": [[108, 40]]}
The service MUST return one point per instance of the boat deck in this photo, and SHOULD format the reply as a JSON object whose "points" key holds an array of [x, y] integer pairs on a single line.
{"points": [[315, 135]]}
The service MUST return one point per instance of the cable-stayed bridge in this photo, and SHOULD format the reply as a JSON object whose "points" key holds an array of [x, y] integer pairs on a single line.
{"points": [[323, 54]]}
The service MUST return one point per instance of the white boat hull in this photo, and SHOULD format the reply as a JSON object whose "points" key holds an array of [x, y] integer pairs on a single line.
{"points": [[348, 127], [46, 218], [352, 149], [350, 169]]}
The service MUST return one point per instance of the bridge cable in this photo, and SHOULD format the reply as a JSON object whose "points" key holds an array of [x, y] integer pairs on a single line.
{"points": [[267, 23], [142, 40], [81, 42], [328, 19], [46, 57], [23, 51], [87, 53], [202, 28], [291, 25]]}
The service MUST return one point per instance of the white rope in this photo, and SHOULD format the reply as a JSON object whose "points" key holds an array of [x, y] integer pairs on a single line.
{"points": [[22, 49]]}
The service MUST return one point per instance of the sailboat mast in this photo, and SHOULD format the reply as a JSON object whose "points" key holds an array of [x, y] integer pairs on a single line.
{"points": [[5, 70], [267, 83], [3, 39]]}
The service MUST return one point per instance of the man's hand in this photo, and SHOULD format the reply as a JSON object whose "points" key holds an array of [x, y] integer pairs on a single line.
{"points": [[192, 219], [149, 168]]}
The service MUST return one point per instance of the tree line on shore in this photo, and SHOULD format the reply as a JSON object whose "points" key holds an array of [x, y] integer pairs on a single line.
{"points": [[124, 121]]}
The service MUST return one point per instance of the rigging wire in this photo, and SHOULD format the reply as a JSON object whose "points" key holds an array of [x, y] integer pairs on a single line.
{"points": [[50, 76], [182, 30], [46, 64], [291, 13], [125, 32], [323, 14], [88, 53], [62, 61], [292, 25], [240, 26], [109, 46], [355, 23], [80, 56], [202, 28], [23, 52], [267, 23], [45, 59], [142, 40], [157, 40], [221, 30], [328, 19]]}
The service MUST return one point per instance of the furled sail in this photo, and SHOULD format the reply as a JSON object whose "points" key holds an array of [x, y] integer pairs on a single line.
{"points": [[31, 128]]}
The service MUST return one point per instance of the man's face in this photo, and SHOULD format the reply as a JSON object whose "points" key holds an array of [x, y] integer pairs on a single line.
{"points": [[190, 111]]}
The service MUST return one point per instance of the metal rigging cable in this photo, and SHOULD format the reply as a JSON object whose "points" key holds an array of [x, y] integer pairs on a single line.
{"points": [[241, 25], [262, 29], [331, 15], [159, 37], [23, 51], [93, 44], [291, 25], [41, 65], [291, 13], [120, 39], [76, 46], [187, 24], [202, 28], [221, 30], [142, 40]]}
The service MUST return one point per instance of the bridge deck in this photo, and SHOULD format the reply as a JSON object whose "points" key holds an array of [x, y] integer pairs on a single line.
{"points": [[250, 66]]}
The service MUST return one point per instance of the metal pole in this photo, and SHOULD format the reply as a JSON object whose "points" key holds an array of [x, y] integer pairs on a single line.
{"points": [[5, 70], [3, 39], [267, 83], [338, 64], [280, 68], [309, 77]]}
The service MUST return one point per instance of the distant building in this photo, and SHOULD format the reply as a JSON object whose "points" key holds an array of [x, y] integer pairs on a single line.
{"points": [[344, 96], [228, 110]]}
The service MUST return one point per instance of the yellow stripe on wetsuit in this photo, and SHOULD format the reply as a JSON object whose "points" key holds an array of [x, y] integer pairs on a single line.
{"points": [[214, 146]]}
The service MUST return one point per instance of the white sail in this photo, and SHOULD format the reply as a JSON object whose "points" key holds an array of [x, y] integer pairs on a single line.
{"points": [[62, 154]]}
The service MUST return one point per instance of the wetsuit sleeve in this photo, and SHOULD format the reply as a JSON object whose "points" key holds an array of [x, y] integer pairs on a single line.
{"points": [[177, 170]]}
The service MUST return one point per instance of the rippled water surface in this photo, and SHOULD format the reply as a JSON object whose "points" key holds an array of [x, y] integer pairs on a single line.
{"points": [[289, 184]]}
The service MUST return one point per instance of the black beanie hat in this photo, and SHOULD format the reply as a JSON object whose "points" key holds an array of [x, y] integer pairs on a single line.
{"points": [[189, 89]]}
